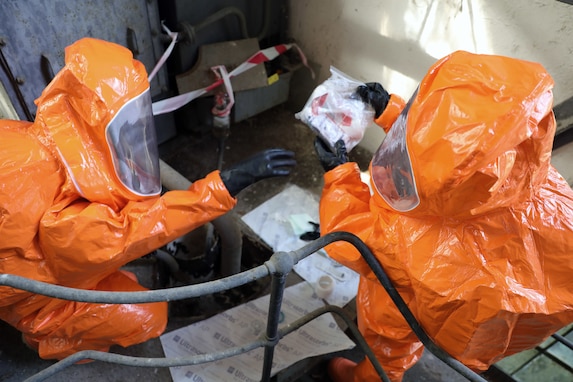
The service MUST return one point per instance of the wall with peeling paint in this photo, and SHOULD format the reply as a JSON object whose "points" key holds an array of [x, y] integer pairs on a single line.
{"points": [[394, 42]]}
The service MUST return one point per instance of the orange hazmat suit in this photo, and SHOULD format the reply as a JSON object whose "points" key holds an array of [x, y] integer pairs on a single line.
{"points": [[466, 215], [80, 198]]}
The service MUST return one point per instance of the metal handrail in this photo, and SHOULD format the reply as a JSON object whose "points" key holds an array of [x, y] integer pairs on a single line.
{"points": [[278, 266], [203, 358]]}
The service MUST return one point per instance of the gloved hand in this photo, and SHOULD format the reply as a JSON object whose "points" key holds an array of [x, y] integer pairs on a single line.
{"points": [[265, 164], [374, 94], [328, 159]]}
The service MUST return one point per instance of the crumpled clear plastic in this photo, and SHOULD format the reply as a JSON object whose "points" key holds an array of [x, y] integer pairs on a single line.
{"points": [[334, 111]]}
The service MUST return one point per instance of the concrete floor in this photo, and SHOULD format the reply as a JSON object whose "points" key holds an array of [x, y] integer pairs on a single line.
{"points": [[194, 154]]}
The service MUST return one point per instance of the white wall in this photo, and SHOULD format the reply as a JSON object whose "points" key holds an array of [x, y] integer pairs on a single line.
{"points": [[394, 42]]}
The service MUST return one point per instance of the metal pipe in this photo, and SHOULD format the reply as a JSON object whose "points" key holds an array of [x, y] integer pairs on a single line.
{"points": [[203, 358], [563, 340], [142, 361], [227, 226], [171, 179], [190, 30], [266, 20], [104, 297], [231, 243], [278, 282], [221, 153], [279, 263], [223, 13]]}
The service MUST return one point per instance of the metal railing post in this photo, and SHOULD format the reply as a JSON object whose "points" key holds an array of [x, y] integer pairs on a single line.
{"points": [[279, 265]]}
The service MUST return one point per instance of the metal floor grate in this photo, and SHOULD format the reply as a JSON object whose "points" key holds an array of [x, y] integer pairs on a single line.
{"points": [[550, 361]]}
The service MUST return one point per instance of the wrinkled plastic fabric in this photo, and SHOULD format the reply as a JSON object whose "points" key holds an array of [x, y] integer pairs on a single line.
{"points": [[335, 111], [484, 260], [66, 218]]}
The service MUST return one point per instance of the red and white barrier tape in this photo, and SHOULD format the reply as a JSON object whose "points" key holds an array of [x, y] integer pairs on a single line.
{"points": [[264, 55], [166, 54], [221, 73]]}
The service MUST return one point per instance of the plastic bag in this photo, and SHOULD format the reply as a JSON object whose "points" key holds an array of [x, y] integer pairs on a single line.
{"points": [[334, 111]]}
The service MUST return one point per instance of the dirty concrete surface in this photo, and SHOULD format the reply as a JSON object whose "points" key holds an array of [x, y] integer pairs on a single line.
{"points": [[194, 154]]}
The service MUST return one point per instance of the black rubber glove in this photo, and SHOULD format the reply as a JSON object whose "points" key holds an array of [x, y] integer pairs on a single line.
{"points": [[374, 94], [328, 159], [265, 164]]}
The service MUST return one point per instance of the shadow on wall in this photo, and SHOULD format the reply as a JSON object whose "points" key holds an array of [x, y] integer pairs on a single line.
{"points": [[365, 40], [353, 46], [403, 56], [396, 42], [372, 39]]}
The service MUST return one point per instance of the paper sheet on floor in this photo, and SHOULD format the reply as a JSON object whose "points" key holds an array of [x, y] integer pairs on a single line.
{"points": [[281, 220], [245, 323]]}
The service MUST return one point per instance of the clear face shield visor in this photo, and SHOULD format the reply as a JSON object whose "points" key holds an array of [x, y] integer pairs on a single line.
{"points": [[132, 141], [391, 169]]}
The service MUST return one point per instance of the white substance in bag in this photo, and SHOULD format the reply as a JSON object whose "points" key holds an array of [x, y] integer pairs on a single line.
{"points": [[334, 110]]}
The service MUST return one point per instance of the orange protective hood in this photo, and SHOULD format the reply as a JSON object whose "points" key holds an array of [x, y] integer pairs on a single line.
{"points": [[479, 134], [482, 253], [98, 78]]}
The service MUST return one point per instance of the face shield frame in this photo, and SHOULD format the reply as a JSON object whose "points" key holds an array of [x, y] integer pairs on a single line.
{"points": [[132, 141], [391, 167]]}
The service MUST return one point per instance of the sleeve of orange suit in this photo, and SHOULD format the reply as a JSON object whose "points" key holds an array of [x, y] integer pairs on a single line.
{"points": [[344, 206], [391, 112], [88, 240]]}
